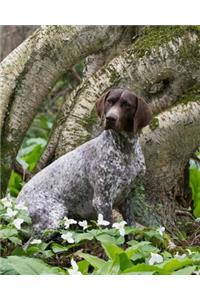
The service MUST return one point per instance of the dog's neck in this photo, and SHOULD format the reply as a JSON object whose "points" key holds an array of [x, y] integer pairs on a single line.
{"points": [[123, 140]]}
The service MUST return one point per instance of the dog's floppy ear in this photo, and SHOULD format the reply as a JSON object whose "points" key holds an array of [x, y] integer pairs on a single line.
{"points": [[142, 116], [100, 103]]}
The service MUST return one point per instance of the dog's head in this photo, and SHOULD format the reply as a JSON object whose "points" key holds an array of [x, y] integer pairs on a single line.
{"points": [[121, 110]]}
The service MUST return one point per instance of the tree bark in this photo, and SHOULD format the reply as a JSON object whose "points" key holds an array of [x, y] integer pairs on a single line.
{"points": [[37, 64], [12, 36]]}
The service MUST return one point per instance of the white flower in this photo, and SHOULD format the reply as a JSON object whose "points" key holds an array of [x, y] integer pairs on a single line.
{"points": [[101, 221], [17, 222], [161, 230], [35, 242], [21, 206], [10, 213], [68, 222], [68, 237], [155, 259], [74, 270], [83, 224], [171, 245], [177, 255], [120, 227], [6, 202]]}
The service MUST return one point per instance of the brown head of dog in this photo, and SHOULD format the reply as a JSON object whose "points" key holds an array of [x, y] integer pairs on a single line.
{"points": [[121, 110]]}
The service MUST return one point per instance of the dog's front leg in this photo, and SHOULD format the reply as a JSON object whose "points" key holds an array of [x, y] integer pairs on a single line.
{"points": [[104, 207], [126, 210]]}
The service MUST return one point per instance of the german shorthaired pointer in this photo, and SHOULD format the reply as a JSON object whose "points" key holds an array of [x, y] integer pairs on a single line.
{"points": [[98, 175]]}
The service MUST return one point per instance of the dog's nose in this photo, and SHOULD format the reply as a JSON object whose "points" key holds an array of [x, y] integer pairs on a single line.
{"points": [[111, 118]]}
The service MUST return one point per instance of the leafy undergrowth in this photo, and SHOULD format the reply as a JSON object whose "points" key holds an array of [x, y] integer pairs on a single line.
{"points": [[83, 248]]}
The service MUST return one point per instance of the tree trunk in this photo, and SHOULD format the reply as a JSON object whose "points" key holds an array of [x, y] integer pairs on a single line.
{"points": [[12, 36]]}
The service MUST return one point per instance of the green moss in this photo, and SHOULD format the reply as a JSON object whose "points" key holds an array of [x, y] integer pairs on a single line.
{"points": [[157, 36], [190, 96], [154, 123]]}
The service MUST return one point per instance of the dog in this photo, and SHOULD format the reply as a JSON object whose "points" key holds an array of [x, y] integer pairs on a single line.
{"points": [[98, 175]]}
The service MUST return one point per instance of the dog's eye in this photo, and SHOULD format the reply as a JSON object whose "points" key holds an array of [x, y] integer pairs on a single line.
{"points": [[125, 104], [110, 101]]}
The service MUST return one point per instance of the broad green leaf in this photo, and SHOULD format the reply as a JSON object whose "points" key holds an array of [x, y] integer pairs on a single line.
{"points": [[195, 186], [83, 266], [153, 234], [138, 256], [83, 236], [18, 252], [94, 261], [59, 248], [124, 261], [175, 264], [133, 230], [6, 268], [47, 254], [7, 232], [110, 267], [185, 271], [15, 240], [31, 266], [15, 184], [106, 238], [32, 249], [32, 157], [196, 258], [141, 268], [111, 250]]}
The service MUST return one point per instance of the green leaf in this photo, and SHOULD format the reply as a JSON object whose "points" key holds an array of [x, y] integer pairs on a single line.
{"points": [[195, 186], [124, 261], [7, 233], [153, 234], [185, 271], [106, 238], [110, 267], [144, 247], [32, 157], [138, 256], [59, 248], [196, 258], [6, 268], [18, 252], [83, 236], [15, 240], [111, 250], [175, 264], [32, 249], [83, 266], [141, 268], [93, 260], [15, 184], [31, 266]]}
